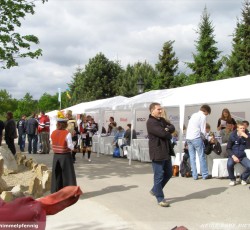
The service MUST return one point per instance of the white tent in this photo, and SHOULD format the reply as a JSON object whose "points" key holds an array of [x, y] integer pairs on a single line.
{"points": [[97, 104], [232, 90]]}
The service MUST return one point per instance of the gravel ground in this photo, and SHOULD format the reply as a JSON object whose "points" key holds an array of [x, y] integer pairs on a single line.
{"points": [[22, 177]]}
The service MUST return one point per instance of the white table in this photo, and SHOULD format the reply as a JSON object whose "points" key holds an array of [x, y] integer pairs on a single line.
{"points": [[104, 143], [213, 156], [141, 147], [219, 168]]}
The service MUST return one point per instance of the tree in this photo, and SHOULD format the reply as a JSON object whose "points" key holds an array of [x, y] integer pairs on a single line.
{"points": [[27, 105], [238, 63], [13, 45], [126, 82], [206, 66], [6, 102], [166, 67], [97, 81], [48, 102], [76, 91]]}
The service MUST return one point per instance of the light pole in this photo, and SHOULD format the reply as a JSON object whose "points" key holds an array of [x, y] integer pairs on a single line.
{"points": [[140, 85]]}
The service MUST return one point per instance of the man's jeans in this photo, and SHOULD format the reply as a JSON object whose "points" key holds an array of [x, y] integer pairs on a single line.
{"points": [[230, 168], [162, 173], [21, 141], [197, 145], [45, 145], [32, 143]]}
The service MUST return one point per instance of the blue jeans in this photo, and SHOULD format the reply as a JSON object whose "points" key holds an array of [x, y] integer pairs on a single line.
{"points": [[245, 162], [197, 145], [21, 141], [162, 173], [32, 143]]}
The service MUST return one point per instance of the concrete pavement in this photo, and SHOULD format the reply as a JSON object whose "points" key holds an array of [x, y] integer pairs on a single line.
{"points": [[116, 196]]}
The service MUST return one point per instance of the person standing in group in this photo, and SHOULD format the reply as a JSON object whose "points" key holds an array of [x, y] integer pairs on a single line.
{"points": [[195, 134], [1, 131], [87, 130], [160, 151], [63, 172], [10, 132], [72, 128], [31, 131], [236, 146], [44, 132], [21, 127], [225, 117]]}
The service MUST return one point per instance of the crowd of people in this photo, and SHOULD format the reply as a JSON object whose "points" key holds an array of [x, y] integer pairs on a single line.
{"points": [[75, 135], [199, 141], [36, 129]]}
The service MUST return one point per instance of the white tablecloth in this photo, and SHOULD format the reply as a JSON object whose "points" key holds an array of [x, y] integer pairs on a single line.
{"points": [[219, 168]]}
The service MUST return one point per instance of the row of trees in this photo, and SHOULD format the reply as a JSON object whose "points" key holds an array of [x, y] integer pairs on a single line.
{"points": [[102, 78]]}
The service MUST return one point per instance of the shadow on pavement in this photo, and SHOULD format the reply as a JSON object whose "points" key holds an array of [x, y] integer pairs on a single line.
{"points": [[106, 166], [199, 195], [110, 189]]}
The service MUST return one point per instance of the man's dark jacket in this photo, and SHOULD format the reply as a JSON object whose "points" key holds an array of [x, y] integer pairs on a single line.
{"points": [[159, 134], [236, 145], [10, 129], [31, 126]]}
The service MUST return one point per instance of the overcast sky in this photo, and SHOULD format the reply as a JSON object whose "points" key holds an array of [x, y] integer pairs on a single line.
{"points": [[73, 31]]}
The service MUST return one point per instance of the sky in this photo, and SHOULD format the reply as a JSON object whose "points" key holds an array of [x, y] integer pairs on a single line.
{"points": [[73, 31]]}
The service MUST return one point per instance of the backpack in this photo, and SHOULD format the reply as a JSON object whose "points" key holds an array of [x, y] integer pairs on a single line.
{"points": [[185, 169], [116, 152]]}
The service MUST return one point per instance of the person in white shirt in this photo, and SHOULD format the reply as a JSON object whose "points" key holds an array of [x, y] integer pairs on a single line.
{"points": [[195, 134]]}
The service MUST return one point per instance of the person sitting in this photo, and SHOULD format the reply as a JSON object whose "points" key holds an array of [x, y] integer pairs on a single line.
{"points": [[225, 133], [236, 146], [208, 131], [174, 138], [111, 125], [119, 135], [246, 124], [127, 137], [113, 128], [225, 117], [211, 144]]}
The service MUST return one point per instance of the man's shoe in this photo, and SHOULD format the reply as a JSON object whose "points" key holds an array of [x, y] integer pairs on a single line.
{"points": [[232, 183], [207, 177], [243, 182], [164, 203]]}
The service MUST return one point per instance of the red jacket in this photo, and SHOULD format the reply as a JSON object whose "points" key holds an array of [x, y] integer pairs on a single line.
{"points": [[44, 124]]}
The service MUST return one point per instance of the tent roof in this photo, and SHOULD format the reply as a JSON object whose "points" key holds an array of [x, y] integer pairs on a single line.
{"points": [[108, 103], [235, 89]]}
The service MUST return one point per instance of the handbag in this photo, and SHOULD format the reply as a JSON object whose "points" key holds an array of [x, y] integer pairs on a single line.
{"points": [[175, 170]]}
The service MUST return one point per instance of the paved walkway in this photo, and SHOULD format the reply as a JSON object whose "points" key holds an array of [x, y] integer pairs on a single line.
{"points": [[116, 196]]}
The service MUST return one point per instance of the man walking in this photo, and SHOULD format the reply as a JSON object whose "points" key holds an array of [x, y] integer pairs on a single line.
{"points": [[160, 151], [195, 131]]}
